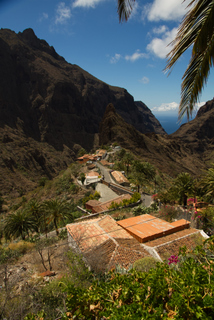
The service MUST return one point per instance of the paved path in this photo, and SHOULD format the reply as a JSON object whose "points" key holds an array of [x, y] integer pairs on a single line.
{"points": [[105, 173], [105, 192], [146, 200]]}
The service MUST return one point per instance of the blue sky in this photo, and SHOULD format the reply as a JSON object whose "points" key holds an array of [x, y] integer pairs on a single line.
{"points": [[131, 55]]}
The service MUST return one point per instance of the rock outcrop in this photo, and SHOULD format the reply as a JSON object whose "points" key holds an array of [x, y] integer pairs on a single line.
{"points": [[54, 101]]}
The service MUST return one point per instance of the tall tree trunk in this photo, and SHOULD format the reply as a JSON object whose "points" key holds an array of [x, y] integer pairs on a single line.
{"points": [[56, 227]]}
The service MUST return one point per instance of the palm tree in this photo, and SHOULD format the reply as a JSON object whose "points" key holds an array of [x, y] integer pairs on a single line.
{"points": [[197, 31], [19, 224], [183, 187], [208, 183], [127, 160], [56, 211], [34, 208], [142, 172]]}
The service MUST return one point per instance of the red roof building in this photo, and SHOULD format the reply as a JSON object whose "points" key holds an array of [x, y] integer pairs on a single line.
{"points": [[145, 228]]}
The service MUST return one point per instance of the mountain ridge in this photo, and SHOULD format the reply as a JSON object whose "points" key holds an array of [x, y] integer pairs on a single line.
{"points": [[45, 87], [50, 109]]}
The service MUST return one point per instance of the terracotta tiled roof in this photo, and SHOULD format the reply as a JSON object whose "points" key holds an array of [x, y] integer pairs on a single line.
{"points": [[110, 226], [125, 257], [104, 162], [146, 227], [93, 202], [173, 247], [119, 177], [171, 237], [104, 206], [92, 174], [105, 244]]}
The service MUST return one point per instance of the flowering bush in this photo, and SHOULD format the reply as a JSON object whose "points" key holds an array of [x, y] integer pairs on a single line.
{"points": [[168, 213], [155, 197], [173, 259], [191, 200]]}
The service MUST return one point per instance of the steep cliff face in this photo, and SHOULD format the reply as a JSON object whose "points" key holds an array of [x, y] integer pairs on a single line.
{"points": [[170, 155], [54, 101], [199, 131], [151, 124], [50, 108]]}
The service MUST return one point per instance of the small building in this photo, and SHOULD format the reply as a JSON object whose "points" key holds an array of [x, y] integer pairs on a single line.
{"points": [[146, 227], [120, 178], [103, 244], [101, 153], [92, 177], [86, 158], [97, 206]]}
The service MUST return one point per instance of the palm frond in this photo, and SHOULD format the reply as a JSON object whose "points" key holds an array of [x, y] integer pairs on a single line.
{"points": [[197, 29], [124, 9], [195, 78]]}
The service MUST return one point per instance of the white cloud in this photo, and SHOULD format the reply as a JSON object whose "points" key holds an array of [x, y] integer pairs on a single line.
{"points": [[144, 80], [135, 56], [160, 46], [86, 3], [167, 10], [161, 29], [63, 13], [199, 105], [135, 10], [116, 58], [172, 106], [43, 17]]}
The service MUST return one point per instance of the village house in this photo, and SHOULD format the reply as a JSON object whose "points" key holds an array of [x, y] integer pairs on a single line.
{"points": [[87, 157], [97, 206], [101, 154], [120, 178], [105, 243], [105, 163], [92, 177]]}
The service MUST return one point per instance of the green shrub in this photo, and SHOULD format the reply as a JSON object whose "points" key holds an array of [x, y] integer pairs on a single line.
{"points": [[64, 183], [42, 181], [137, 211], [89, 196], [145, 264], [74, 188], [135, 197], [168, 213], [164, 292], [21, 247]]}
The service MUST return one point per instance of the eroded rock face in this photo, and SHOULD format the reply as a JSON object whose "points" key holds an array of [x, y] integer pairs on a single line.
{"points": [[49, 109], [171, 154], [199, 131], [54, 101]]}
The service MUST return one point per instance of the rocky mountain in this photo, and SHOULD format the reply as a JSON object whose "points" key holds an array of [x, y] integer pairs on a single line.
{"points": [[54, 101], [169, 154], [49, 109], [199, 132], [201, 127]]}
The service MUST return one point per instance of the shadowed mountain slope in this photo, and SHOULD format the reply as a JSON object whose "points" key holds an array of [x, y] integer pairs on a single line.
{"points": [[55, 101], [50, 108], [171, 155]]}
